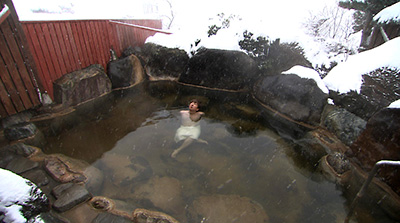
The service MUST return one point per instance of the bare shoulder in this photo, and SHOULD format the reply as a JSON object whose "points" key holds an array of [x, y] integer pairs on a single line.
{"points": [[201, 113]]}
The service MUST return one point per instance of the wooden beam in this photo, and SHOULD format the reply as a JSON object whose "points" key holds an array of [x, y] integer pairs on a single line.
{"points": [[384, 35], [141, 27]]}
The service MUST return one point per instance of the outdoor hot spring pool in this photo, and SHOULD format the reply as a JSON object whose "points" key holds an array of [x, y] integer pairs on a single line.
{"points": [[129, 135]]}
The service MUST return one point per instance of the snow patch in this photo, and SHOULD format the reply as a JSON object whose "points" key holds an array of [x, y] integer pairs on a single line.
{"points": [[389, 14], [308, 73], [14, 191], [347, 76], [395, 104]]}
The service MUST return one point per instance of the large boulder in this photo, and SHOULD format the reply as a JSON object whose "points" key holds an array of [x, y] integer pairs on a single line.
{"points": [[160, 63], [298, 98], [221, 69], [380, 140], [125, 72], [82, 85]]}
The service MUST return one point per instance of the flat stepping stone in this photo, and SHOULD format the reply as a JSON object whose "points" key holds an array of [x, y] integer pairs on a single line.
{"points": [[39, 177], [60, 189], [21, 165], [6, 156], [22, 149], [71, 197]]}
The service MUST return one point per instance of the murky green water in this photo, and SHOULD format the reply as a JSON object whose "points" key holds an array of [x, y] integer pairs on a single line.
{"points": [[129, 136]]}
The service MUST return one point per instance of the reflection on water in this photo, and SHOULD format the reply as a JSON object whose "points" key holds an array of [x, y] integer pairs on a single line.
{"points": [[245, 165]]}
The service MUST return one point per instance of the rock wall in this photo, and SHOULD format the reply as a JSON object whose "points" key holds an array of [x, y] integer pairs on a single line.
{"points": [[221, 69]]}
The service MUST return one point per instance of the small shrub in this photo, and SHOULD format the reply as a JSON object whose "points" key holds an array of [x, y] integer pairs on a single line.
{"points": [[271, 56]]}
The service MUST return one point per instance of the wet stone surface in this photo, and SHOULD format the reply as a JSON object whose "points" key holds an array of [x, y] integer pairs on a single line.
{"points": [[38, 176], [6, 156], [61, 172], [21, 165], [70, 197], [22, 117], [20, 131], [108, 217], [22, 149]]}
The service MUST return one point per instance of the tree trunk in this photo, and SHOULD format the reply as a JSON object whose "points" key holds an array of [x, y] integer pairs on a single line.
{"points": [[364, 45]]}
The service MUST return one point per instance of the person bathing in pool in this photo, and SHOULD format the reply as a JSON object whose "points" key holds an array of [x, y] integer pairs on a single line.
{"points": [[190, 127]]}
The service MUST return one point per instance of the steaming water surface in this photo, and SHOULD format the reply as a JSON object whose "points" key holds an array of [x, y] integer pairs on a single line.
{"points": [[130, 139], [257, 167]]}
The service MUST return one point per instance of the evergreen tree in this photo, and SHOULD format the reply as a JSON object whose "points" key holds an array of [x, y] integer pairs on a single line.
{"points": [[366, 10]]}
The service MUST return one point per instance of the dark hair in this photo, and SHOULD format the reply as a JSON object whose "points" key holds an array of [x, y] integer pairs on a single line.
{"points": [[195, 101]]}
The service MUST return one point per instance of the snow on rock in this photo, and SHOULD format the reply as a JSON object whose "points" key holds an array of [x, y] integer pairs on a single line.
{"points": [[186, 38], [389, 14], [395, 104], [347, 76], [309, 73], [15, 192]]}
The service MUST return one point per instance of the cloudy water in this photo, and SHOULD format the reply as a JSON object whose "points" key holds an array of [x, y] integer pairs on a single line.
{"points": [[246, 172]]}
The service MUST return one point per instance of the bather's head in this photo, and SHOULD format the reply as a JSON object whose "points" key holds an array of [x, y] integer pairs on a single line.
{"points": [[194, 105]]}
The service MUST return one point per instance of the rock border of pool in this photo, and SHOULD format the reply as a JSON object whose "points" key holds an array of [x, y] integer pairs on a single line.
{"points": [[59, 176]]}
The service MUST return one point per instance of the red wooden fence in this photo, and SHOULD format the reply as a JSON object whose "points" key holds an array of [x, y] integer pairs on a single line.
{"points": [[18, 87], [60, 47]]}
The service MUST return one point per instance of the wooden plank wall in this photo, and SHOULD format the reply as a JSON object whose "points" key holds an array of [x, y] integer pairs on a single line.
{"points": [[392, 31], [130, 36], [18, 88], [61, 47]]}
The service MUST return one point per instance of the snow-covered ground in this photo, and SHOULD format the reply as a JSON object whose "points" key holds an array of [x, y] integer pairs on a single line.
{"points": [[347, 76], [389, 14], [14, 192], [395, 104]]}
